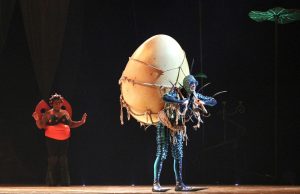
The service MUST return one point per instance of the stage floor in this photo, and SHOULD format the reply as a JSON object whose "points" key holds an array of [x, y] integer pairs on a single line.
{"points": [[205, 189]]}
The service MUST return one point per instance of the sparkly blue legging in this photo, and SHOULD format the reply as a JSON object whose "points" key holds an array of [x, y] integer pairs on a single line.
{"points": [[163, 140]]}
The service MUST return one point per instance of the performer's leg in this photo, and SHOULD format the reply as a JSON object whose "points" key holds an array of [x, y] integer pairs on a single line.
{"points": [[162, 140], [52, 148], [177, 153], [63, 162]]}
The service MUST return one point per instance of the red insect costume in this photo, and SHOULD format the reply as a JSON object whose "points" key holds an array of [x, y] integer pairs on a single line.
{"points": [[56, 128], [57, 133]]}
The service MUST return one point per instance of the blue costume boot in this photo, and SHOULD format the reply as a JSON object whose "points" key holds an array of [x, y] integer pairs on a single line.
{"points": [[180, 186], [161, 154]]}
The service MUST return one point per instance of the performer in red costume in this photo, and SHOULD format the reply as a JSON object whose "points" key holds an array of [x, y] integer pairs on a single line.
{"points": [[57, 123]]}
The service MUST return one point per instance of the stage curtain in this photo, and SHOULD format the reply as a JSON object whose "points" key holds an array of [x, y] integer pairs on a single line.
{"points": [[44, 22], [6, 11]]}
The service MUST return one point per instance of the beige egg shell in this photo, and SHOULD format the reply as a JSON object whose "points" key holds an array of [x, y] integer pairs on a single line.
{"points": [[148, 75]]}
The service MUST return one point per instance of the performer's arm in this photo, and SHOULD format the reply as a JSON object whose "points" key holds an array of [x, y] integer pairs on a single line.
{"points": [[206, 100], [171, 97], [75, 124], [40, 123]]}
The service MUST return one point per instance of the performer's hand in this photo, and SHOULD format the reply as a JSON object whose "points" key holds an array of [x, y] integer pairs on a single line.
{"points": [[204, 109], [35, 116], [200, 103], [83, 119]]}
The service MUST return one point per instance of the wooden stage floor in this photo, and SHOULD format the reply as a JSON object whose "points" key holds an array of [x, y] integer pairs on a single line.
{"points": [[205, 189]]}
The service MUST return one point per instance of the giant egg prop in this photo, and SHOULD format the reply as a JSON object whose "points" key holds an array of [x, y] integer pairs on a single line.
{"points": [[154, 68]]}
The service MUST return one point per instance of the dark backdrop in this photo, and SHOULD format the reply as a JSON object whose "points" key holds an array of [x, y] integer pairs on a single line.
{"points": [[80, 50]]}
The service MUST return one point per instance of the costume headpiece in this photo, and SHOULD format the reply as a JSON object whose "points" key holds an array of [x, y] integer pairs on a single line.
{"points": [[187, 81], [55, 97]]}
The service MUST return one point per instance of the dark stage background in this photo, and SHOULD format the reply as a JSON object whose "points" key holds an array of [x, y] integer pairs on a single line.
{"points": [[80, 48]]}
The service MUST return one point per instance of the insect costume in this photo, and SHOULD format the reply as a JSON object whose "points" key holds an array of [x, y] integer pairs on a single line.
{"points": [[57, 123], [181, 106]]}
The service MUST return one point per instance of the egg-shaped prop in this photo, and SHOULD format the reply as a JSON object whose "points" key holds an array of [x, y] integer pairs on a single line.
{"points": [[154, 68]]}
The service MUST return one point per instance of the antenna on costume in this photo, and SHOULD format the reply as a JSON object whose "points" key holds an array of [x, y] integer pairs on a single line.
{"points": [[203, 87], [173, 86], [219, 93], [192, 65], [180, 85]]}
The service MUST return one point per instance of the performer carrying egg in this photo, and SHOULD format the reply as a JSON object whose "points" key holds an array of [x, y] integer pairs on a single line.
{"points": [[157, 89]]}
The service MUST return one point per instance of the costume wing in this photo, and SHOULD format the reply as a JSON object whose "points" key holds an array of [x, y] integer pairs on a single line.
{"points": [[41, 108]]}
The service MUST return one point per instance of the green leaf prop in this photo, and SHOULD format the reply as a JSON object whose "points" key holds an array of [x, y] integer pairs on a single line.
{"points": [[277, 14]]}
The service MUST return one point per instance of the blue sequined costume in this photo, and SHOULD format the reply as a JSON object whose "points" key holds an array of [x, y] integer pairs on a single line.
{"points": [[176, 104]]}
